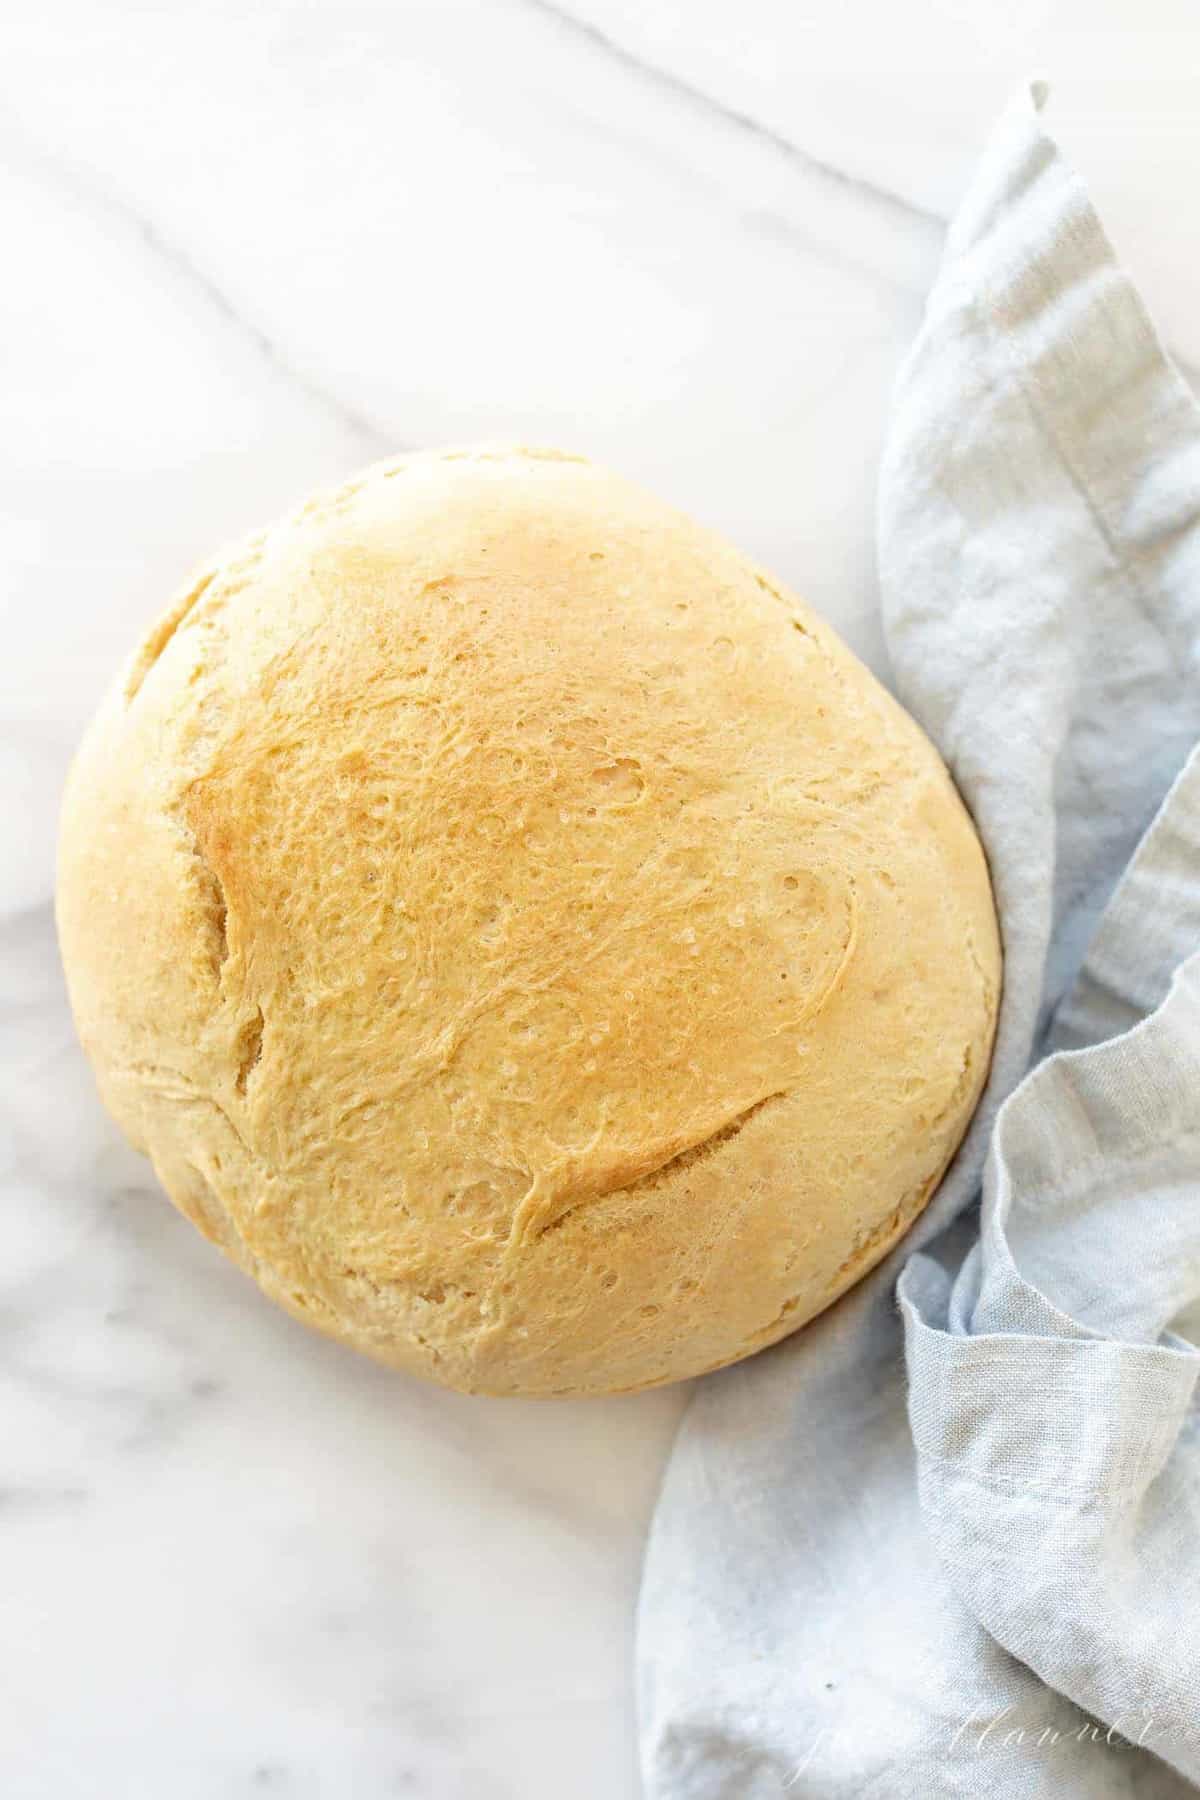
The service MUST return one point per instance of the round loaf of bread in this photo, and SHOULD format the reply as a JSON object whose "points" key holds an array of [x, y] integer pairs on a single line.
{"points": [[522, 935]]}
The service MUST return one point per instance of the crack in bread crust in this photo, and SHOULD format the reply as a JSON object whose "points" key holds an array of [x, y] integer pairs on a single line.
{"points": [[682, 1159]]}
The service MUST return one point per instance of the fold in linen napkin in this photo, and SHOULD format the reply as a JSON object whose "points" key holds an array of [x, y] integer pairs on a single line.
{"points": [[990, 1584]]}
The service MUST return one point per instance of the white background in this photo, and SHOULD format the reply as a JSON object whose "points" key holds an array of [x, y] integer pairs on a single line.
{"points": [[244, 249]]}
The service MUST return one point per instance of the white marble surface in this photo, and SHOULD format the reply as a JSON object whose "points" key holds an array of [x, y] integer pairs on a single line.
{"points": [[246, 248]]}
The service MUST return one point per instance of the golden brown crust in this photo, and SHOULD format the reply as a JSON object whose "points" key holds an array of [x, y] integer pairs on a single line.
{"points": [[521, 935]]}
